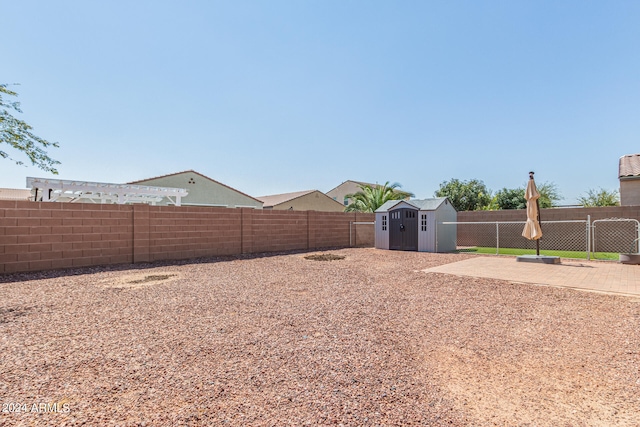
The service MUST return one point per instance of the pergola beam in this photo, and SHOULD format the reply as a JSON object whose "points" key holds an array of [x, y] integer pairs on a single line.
{"points": [[53, 190]]}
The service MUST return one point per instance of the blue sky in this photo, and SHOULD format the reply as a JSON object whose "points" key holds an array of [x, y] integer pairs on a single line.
{"points": [[279, 96]]}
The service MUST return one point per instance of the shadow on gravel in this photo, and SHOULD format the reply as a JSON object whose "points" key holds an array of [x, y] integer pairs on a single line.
{"points": [[77, 271], [11, 313]]}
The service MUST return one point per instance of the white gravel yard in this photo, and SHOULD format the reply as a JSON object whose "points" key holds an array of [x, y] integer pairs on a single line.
{"points": [[281, 340]]}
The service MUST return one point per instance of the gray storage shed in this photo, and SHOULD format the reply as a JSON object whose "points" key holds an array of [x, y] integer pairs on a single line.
{"points": [[415, 225]]}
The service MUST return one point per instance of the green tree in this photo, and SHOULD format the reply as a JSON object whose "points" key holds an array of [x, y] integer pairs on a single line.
{"points": [[492, 206], [513, 198], [549, 194], [465, 195], [600, 197], [371, 197], [17, 134], [510, 198]]}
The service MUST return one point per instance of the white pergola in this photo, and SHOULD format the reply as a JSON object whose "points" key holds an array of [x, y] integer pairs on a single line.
{"points": [[58, 190]]}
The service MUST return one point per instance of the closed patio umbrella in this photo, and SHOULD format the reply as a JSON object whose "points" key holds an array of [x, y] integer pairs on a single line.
{"points": [[532, 229]]}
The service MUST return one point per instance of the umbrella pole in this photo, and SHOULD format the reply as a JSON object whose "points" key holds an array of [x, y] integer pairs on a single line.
{"points": [[539, 222]]}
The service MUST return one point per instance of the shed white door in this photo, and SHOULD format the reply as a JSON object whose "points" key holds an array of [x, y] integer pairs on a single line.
{"points": [[382, 230], [427, 231]]}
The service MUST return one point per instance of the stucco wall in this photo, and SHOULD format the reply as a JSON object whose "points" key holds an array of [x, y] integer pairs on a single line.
{"points": [[203, 191], [347, 187], [630, 192], [315, 201]]}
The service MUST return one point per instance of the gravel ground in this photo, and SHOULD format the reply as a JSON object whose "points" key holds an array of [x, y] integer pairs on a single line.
{"points": [[281, 340]]}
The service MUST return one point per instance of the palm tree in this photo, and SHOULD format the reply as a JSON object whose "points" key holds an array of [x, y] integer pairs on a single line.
{"points": [[371, 197]]}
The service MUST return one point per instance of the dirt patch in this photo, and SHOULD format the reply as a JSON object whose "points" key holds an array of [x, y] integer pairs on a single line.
{"points": [[10, 314], [152, 278], [324, 257], [140, 280]]}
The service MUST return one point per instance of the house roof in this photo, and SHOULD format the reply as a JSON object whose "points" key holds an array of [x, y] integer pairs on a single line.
{"points": [[420, 204], [629, 166], [15, 194], [276, 199], [197, 173], [361, 183]]}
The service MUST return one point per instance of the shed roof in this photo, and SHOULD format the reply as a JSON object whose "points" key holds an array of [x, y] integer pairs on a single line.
{"points": [[420, 204], [629, 166]]}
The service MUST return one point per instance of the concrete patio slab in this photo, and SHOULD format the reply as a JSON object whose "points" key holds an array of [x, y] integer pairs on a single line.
{"points": [[608, 277]]}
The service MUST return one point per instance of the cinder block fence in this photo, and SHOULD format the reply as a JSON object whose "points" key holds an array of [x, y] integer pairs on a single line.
{"points": [[39, 236]]}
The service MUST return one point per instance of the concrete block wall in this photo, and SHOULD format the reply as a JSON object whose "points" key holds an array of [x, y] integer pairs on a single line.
{"points": [[363, 235], [191, 232], [275, 230], [39, 235], [332, 228]]}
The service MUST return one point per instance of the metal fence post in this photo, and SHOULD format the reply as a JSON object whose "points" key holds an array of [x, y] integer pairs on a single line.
{"points": [[588, 237], [497, 238]]}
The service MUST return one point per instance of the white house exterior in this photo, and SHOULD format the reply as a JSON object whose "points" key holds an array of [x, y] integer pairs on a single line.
{"points": [[416, 225]]}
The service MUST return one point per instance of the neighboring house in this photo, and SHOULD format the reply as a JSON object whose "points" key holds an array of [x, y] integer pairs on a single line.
{"points": [[340, 193], [15, 194], [416, 225], [629, 175], [203, 191], [310, 200]]}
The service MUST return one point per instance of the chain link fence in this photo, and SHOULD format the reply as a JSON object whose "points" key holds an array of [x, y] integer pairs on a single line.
{"points": [[615, 235], [597, 239]]}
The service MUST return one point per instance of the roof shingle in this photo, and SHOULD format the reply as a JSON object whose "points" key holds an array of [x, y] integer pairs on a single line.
{"points": [[629, 166]]}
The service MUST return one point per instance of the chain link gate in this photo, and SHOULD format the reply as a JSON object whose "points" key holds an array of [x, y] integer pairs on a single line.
{"points": [[614, 235]]}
